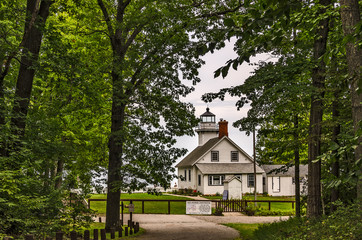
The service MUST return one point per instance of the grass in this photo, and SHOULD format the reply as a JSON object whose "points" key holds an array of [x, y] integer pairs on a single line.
{"points": [[212, 197], [284, 207], [149, 207], [246, 231]]}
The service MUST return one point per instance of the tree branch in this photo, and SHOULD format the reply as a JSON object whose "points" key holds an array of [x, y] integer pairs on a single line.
{"points": [[132, 38], [28, 27], [221, 13], [107, 19]]}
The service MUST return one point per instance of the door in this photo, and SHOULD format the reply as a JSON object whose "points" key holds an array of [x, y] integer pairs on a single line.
{"points": [[276, 184]]}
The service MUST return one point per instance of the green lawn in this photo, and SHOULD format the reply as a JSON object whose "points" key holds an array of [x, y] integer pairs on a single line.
{"points": [[149, 207], [246, 231], [273, 206]]}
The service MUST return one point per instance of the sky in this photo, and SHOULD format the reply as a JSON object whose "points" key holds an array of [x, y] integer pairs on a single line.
{"points": [[222, 109]]}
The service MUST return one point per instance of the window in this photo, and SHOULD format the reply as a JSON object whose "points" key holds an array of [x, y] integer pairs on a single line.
{"points": [[199, 180], [208, 119], [189, 175], [251, 182], [234, 156], [185, 175], [216, 180], [214, 156], [263, 180]]}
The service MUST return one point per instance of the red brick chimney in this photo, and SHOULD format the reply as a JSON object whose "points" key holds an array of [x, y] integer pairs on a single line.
{"points": [[223, 128]]}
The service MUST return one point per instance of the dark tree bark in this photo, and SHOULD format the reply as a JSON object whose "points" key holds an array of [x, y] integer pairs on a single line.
{"points": [[296, 169], [351, 16], [26, 74], [115, 164], [32, 13], [58, 176], [316, 115]]}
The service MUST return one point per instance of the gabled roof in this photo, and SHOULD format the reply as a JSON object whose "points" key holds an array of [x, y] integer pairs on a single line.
{"points": [[227, 180], [198, 152], [228, 168], [272, 170]]}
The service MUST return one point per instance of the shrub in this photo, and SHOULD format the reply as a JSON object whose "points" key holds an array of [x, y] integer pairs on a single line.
{"points": [[251, 210], [218, 211], [345, 223]]}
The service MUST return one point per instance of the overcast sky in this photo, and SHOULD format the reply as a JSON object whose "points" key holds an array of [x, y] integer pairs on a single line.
{"points": [[222, 109]]}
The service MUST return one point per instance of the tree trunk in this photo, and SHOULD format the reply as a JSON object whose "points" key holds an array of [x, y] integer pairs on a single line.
{"points": [[31, 14], [26, 74], [350, 15], [254, 153], [296, 169], [59, 174], [115, 157], [336, 132], [316, 115]]}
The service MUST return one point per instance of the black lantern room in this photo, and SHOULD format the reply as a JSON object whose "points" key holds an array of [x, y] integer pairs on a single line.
{"points": [[208, 117]]}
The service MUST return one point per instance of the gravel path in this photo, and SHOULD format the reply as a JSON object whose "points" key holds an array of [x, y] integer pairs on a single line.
{"points": [[190, 227]]}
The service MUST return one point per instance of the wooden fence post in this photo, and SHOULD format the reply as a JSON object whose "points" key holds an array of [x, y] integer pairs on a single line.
{"points": [[103, 234], [73, 235], [59, 236], [126, 231], [86, 235], [169, 207], [269, 206], [120, 232], [113, 233], [95, 234], [137, 227], [143, 206]]}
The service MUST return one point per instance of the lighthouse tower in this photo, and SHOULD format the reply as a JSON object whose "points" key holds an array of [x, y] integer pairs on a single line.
{"points": [[207, 128]]}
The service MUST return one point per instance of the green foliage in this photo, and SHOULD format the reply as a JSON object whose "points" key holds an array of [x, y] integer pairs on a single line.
{"points": [[217, 211], [26, 206], [343, 224]]}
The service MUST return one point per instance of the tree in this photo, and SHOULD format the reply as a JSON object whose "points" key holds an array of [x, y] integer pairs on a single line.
{"points": [[350, 15], [287, 30], [150, 44], [26, 74], [316, 114]]}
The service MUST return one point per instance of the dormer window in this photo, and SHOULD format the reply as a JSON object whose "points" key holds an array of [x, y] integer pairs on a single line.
{"points": [[214, 156], [234, 156]]}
